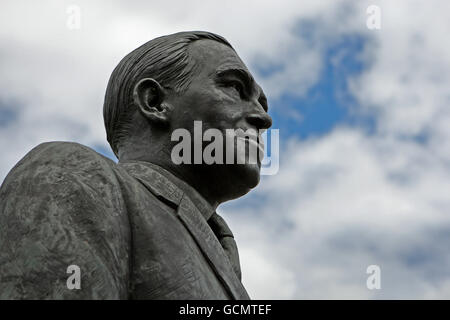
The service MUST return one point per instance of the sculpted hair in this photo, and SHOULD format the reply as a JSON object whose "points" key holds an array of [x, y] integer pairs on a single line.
{"points": [[164, 59]]}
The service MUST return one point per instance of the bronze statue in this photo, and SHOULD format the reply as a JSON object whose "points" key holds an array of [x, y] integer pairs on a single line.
{"points": [[145, 227]]}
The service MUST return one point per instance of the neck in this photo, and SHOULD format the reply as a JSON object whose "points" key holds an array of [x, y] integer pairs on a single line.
{"points": [[191, 174]]}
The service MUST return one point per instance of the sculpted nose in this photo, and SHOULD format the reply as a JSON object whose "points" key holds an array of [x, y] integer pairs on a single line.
{"points": [[260, 120]]}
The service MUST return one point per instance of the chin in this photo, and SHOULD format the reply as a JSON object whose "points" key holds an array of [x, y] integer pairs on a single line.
{"points": [[252, 175], [247, 177], [248, 174]]}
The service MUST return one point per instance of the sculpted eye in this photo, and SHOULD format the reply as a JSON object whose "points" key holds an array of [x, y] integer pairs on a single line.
{"points": [[236, 85]]}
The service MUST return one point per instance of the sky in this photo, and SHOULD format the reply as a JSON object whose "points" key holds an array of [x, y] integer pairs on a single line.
{"points": [[364, 175]]}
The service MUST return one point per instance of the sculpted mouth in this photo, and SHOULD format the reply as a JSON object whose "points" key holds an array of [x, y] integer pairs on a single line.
{"points": [[251, 138], [259, 146]]}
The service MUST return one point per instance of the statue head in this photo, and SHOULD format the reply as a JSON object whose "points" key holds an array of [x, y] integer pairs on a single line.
{"points": [[173, 81]]}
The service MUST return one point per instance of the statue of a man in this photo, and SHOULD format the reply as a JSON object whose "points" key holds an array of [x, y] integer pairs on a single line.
{"points": [[76, 225]]}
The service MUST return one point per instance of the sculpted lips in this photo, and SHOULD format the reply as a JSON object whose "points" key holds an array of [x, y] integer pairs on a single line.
{"points": [[252, 138]]}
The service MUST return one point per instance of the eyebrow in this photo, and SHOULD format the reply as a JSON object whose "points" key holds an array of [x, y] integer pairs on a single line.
{"points": [[239, 72], [248, 80]]}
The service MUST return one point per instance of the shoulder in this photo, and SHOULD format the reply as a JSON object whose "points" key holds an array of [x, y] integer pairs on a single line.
{"points": [[61, 204], [57, 182], [64, 154], [63, 171], [50, 160]]}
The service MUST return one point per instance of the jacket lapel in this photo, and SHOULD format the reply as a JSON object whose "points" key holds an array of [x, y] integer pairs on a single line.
{"points": [[157, 181], [211, 247]]}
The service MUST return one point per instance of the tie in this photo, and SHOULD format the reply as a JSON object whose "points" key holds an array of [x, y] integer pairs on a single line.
{"points": [[226, 239]]}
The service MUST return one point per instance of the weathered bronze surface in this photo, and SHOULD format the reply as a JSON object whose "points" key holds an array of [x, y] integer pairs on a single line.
{"points": [[142, 228]]}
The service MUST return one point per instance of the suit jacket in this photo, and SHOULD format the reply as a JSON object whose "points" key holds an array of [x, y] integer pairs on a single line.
{"points": [[135, 231]]}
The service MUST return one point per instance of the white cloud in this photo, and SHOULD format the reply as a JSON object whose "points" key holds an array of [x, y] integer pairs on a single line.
{"points": [[353, 201], [358, 199]]}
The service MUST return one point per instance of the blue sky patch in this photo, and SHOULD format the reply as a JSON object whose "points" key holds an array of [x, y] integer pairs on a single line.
{"points": [[329, 102], [8, 113]]}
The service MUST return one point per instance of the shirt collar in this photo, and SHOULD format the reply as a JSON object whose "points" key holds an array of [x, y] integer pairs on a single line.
{"points": [[166, 184]]}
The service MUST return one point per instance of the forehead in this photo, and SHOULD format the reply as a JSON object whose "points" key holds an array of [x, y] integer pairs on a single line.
{"points": [[213, 56]]}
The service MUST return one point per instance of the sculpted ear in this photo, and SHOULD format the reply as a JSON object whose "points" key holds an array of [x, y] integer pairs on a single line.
{"points": [[149, 97]]}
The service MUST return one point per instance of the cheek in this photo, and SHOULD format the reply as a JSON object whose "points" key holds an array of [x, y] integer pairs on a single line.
{"points": [[213, 106], [224, 96], [218, 109], [207, 99], [227, 118], [215, 101]]}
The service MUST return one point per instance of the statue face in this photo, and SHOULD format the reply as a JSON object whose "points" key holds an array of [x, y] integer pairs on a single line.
{"points": [[223, 95]]}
